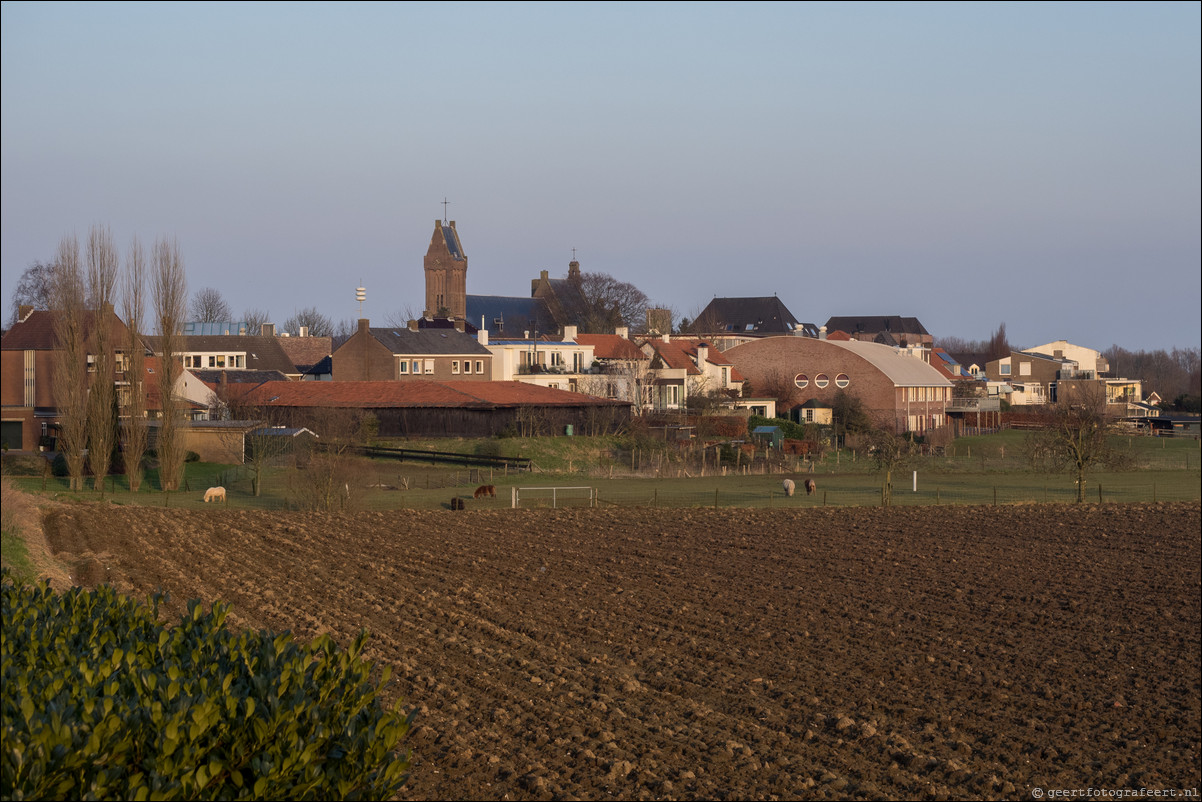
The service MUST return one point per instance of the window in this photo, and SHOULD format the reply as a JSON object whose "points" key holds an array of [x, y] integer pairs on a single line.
{"points": [[429, 366], [238, 361], [479, 365], [417, 366], [841, 380], [821, 380], [1024, 368], [556, 359], [467, 366], [403, 367], [801, 380], [1004, 368], [455, 366]]}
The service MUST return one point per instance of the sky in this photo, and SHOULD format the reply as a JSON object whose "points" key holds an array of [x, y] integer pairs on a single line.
{"points": [[1032, 164]]}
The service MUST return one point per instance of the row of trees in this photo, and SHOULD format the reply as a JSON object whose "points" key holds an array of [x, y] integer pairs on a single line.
{"points": [[96, 413]]}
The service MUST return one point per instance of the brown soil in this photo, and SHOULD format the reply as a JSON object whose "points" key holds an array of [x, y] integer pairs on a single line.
{"points": [[727, 654]]}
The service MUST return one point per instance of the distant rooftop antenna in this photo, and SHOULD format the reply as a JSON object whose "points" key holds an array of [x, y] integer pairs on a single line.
{"points": [[360, 296]]}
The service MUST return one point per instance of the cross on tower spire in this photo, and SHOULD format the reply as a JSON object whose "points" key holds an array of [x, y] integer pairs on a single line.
{"points": [[444, 208]]}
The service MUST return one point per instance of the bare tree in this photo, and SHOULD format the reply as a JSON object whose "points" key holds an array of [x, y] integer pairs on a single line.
{"points": [[133, 309], [169, 295], [70, 378], [609, 303], [33, 289], [254, 319], [102, 399], [209, 307], [318, 324], [1076, 434], [400, 318], [891, 451]]}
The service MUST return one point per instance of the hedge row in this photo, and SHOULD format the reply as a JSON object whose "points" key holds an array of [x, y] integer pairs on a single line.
{"points": [[101, 701]]}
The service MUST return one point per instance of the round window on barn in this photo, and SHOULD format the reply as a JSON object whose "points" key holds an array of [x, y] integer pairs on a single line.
{"points": [[841, 380], [801, 380], [821, 380]]}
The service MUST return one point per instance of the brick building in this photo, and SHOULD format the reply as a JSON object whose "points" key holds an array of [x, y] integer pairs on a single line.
{"points": [[898, 390], [392, 354], [446, 274]]}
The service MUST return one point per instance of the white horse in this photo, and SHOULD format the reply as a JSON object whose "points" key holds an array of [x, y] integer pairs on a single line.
{"points": [[215, 494], [789, 487]]}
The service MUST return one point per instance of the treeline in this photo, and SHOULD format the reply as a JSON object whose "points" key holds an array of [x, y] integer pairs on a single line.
{"points": [[1174, 374]]}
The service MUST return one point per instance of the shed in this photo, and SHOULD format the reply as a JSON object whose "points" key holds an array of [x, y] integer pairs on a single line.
{"points": [[772, 434]]}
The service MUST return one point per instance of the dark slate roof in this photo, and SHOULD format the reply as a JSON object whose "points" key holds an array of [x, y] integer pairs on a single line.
{"points": [[428, 341], [522, 313], [262, 353], [895, 324], [236, 376], [444, 323], [757, 316], [323, 368]]}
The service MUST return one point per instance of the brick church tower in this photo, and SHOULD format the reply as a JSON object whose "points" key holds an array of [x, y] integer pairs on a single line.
{"points": [[446, 274]]}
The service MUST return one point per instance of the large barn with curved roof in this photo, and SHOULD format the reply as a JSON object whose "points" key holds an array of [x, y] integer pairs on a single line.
{"points": [[894, 388]]}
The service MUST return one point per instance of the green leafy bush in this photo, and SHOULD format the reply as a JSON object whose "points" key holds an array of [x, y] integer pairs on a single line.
{"points": [[103, 702]]}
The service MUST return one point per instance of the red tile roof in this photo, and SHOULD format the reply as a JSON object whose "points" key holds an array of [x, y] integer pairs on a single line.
{"points": [[417, 393], [611, 346]]}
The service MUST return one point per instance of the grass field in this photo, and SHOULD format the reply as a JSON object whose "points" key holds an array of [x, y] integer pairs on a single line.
{"points": [[976, 470]]}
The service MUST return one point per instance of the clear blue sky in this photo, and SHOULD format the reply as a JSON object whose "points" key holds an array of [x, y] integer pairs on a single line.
{"points": [[1036, 164]]}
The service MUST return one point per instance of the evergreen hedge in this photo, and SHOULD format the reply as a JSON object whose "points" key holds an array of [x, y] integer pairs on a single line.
{"points": [[101, 701]]}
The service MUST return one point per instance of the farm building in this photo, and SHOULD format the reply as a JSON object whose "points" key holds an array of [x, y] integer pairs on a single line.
{"points": [[418, 408]]}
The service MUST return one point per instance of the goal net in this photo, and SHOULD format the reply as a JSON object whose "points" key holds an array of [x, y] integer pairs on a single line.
{"points": [[554, 497]]}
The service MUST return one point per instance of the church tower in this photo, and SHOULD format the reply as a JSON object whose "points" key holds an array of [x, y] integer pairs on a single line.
{"points": [[446, 274]]}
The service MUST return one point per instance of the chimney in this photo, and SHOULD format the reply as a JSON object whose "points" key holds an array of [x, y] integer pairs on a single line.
{"points": [[482, 336], [267, 330], [303, 332], [412, 325], [569, 333], [623, 332], [822, 332], [666, 338], [703, 355], [460, 325], [364, 325]]}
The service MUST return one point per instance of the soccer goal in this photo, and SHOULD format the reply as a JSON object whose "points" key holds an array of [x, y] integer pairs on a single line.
{"points": [[554, 497]]}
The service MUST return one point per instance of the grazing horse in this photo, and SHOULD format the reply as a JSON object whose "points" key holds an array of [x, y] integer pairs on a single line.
{"points": [[215, 494], [811, 486], [485, 490], [789, 487]]}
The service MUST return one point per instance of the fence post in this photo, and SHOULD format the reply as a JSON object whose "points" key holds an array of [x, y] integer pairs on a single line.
{"points": [[937, 502], [1099, 492], [995, 496], [655, 497], [1153, 492], [715, 498]]}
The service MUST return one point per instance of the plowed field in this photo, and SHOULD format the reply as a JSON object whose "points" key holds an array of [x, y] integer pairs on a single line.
{"points": [[727, 654]]}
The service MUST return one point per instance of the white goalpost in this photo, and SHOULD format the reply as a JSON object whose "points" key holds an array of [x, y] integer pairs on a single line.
{"points": [[553, 497]]}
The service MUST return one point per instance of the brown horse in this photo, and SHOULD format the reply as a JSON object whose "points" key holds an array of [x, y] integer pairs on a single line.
{"points": [[811, 486], [485, 490]]}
